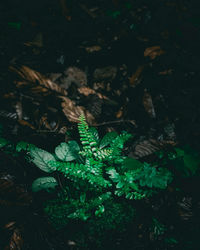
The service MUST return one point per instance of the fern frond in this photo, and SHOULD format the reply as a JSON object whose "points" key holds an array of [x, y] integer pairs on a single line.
{"points": [[86, 137], [116, 147], [87, 173], [103, 154], [119, 141]]}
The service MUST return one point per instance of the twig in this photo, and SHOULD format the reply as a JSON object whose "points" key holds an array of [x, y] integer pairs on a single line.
{"points": [[119, 121]]}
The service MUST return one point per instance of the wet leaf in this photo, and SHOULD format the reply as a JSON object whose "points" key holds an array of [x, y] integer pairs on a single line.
{"points": [[41, 158], [44, 183], [67, 152], [107, 139]]}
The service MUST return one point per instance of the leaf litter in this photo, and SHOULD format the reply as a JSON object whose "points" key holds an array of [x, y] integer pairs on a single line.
{"points": [[131, 64]]}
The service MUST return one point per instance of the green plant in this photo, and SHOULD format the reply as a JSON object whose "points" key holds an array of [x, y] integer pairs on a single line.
{"points": [[96, 173], [157, 228]]}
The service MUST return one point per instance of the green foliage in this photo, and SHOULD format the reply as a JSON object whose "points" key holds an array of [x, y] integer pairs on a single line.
{"points": [[96, 174], [157, 228], [76, 171], [44, 183], [41, 159], [107, 139], [3, 142], [187, 161], [67, 152], [24, 146], [153, 177]]}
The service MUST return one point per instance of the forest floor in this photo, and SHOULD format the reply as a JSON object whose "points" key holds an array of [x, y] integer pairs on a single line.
{"points": [[130, 66]]}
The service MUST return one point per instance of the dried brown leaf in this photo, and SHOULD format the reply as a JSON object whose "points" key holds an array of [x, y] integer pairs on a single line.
{"points": [[145, 148], [92, 49], [119, 113], [104, 73], [153, 52], [16, 240], [148, 104], [73, 75], [73, 112], [148, 147], [37, 41], [34, 77], [26, 124], [86, 91], [166, 72], [133, 80]]}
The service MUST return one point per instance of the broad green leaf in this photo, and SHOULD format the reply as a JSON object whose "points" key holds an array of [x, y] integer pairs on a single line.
{"points": [[131, 164], [44, 183], [41, 159], [180, 152], [3, 142], [191, 160], [22, 145], [67, 151], [107, 139]]}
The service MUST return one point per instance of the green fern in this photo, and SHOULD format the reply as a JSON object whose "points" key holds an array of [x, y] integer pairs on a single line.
{"points": [[92, 171], [85, 172]]}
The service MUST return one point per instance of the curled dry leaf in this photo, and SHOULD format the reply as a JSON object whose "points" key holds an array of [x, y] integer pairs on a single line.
{"points": [[73, 112], [95, 105], [86, 91], [166, 72], [16, 240], [76, 75], [37, 41], [134, 79], [120, 112], [31, 76], [105, 73], [26, 124], [145, 148], [153, 52], [92, 49], [148, 104], [148, 147]]}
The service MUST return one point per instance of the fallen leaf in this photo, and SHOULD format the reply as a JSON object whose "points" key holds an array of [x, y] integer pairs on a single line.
{"points": [[119, 113], [86, 91], [31, 76], [26, 124], [37, 41], [92, 49], [16, 241], [166, 72], [73, 112], [134, 79], [104, 73], [153, 52], [148, 104]]}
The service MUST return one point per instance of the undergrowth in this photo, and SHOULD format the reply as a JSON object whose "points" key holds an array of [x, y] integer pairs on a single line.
{"points": [[95, 183]]}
